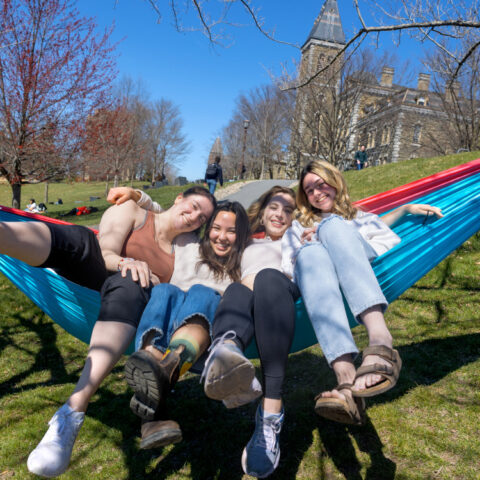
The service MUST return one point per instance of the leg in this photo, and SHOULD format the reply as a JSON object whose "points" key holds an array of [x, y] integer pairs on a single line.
{"points": [[229, 376], [123, 300], [29, 242], [349, 254], [274, 314]]}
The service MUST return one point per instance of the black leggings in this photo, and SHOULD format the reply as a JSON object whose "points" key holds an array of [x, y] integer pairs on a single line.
{"points": [[268, 313]]}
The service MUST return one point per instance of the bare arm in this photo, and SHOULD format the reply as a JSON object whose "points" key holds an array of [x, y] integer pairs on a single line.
{"points": [[117, 222], [396, 215], [119, 195]]}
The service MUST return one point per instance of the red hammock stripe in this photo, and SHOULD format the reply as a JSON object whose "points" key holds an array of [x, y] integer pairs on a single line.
{"points": [[406, 193]]}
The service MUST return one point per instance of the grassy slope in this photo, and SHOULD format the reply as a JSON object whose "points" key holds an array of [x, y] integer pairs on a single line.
{"points": [[427, 427]]}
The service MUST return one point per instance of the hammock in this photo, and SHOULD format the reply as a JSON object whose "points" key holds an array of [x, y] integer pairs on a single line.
{"points": [[424, 244]]}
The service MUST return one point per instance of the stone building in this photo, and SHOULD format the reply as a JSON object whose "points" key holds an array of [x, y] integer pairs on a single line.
{"points": [[394, 122], [216, 151]]}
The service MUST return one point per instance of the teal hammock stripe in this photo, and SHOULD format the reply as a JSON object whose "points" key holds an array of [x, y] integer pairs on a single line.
{"points": [[423, 246]]}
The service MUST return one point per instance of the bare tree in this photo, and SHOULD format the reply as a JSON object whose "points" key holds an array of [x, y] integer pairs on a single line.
{"points": [[328, 110], [269, 112], [165, 142], [459, 96]]}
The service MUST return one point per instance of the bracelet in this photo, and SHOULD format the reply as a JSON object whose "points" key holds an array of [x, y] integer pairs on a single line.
{"points": [[122, 261]]}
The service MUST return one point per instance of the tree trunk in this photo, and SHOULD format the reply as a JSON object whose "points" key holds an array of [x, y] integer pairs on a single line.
{"points": [[16, 194], [106, 187], [45, 196], [115, 181]]}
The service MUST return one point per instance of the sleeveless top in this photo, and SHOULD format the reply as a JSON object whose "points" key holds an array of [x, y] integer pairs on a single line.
{"points": [[140, 244]]}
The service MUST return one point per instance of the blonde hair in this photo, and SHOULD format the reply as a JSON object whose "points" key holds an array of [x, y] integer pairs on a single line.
{"points": [[342, 205], [256, 209]]}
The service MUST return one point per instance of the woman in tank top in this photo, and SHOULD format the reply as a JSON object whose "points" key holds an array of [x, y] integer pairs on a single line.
{"points": [[124, 281]]}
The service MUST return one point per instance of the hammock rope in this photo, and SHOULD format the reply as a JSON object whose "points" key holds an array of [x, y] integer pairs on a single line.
{"points": [[424, 245]]}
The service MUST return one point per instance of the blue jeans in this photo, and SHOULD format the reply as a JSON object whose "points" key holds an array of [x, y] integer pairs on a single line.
{"points": [[212, 184], [338, 262], [170, 308]]}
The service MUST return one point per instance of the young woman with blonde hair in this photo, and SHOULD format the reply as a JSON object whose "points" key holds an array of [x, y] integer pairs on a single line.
{"points": [[328, 251]]}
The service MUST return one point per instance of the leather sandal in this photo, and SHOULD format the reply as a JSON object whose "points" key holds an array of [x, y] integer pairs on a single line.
{"points": [[389, 373], [350, 411]]}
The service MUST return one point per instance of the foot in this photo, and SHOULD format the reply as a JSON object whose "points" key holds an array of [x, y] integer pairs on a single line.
{"points": [[151, 380], [261, 455], [52, 455], [379, 371], [158, 433], [228, 373], [341, 406]]}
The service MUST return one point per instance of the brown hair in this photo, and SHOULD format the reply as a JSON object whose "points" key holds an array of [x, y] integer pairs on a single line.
{"points": [[342, 204], [256, 209], [230, 264]]}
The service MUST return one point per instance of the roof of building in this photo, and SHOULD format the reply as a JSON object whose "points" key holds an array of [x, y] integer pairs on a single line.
{"points": [[328, 25]]}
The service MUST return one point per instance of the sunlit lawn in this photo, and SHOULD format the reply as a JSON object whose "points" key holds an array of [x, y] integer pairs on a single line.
{"points": [[426, 428]]}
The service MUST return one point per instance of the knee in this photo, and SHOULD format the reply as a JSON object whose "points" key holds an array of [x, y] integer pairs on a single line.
{"points": [[311, 253], [267, 277]]}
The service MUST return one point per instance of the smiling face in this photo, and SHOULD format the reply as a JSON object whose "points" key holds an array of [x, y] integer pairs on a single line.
{"points": [[222, 233], [278, 215], [191, 212], [319, 193]]}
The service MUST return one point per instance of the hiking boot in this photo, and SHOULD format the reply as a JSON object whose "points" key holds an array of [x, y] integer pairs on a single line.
{"points": [[261, 455], [151, 380], [229, 374], [158, 433], [52, 455]]}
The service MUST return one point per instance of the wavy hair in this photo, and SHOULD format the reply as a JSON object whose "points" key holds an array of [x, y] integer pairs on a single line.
{"points": [[256, 209], [230, 264], [342, 205]]}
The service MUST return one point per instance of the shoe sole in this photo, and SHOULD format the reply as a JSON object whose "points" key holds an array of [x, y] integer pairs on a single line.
{"points": [[235, 376], [161, 439], [141, 377], [254, 474]]}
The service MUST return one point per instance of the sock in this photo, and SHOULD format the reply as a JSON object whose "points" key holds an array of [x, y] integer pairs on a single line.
{"points": [[189, 353]]}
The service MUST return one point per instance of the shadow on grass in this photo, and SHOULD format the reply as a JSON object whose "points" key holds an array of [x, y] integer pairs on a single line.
{"points": [[47, 357], [213, 437]]}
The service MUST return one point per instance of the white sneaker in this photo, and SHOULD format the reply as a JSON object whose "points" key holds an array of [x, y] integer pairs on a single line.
{"points": [[227, 371], [52, 455], [243, 397]]}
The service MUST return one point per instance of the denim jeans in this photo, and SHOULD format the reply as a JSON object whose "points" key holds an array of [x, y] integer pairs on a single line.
{"points": [[170, 308], [338, 262], [212, 184]]}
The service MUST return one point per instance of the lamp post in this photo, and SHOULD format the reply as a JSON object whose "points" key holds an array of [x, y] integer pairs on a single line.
{"points": [[246, 123]]}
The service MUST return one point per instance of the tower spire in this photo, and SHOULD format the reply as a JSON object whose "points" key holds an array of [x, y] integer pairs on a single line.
{"points": [[327, 26]]}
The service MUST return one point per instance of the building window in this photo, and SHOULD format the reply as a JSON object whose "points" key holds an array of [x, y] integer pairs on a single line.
{"points": [[417, 131], [314, 144], [422, 101], [386, 135]]}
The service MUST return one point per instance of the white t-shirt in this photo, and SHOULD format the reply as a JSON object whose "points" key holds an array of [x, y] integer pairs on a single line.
{"points": [[261, 253]]}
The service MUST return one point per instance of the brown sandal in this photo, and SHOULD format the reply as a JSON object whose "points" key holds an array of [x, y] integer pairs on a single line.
{"points": [[350, 411], [390, 373]]}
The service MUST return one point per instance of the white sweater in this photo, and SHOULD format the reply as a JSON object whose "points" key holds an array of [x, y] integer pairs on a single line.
{"points": [[370, 226]]}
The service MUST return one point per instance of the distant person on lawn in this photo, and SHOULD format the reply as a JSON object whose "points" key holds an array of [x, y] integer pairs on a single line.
{"points": [[361, 158], [214, 173]]}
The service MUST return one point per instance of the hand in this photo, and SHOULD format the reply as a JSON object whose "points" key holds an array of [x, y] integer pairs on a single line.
{"points": [[426, 210], [140, 272], [119, 195], [308, 234]]}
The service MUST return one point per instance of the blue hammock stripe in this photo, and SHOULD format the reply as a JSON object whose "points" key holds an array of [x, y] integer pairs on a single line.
{"points": [[423, 246]]}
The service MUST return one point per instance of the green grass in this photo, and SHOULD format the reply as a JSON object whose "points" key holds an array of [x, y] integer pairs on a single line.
{"points": [[425, 428]]}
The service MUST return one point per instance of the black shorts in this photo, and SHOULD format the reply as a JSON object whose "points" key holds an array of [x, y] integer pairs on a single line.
{"points": [[75, 254]]}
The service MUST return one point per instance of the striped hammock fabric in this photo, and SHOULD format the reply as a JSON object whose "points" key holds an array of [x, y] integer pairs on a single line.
{"points": [[424, 244]]}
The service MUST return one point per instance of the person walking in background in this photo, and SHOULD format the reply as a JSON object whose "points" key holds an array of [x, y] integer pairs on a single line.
{"points": [[361, 158], [213, 174]]}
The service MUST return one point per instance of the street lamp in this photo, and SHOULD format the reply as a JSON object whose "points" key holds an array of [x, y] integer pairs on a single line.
{"points": [[246, 123]]}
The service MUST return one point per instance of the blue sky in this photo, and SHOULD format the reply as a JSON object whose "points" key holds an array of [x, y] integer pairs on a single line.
{"points": [[204, 81]]}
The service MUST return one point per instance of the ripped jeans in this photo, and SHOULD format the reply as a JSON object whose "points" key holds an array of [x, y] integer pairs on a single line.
{"points": [[339, 261], [170, 308]]}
